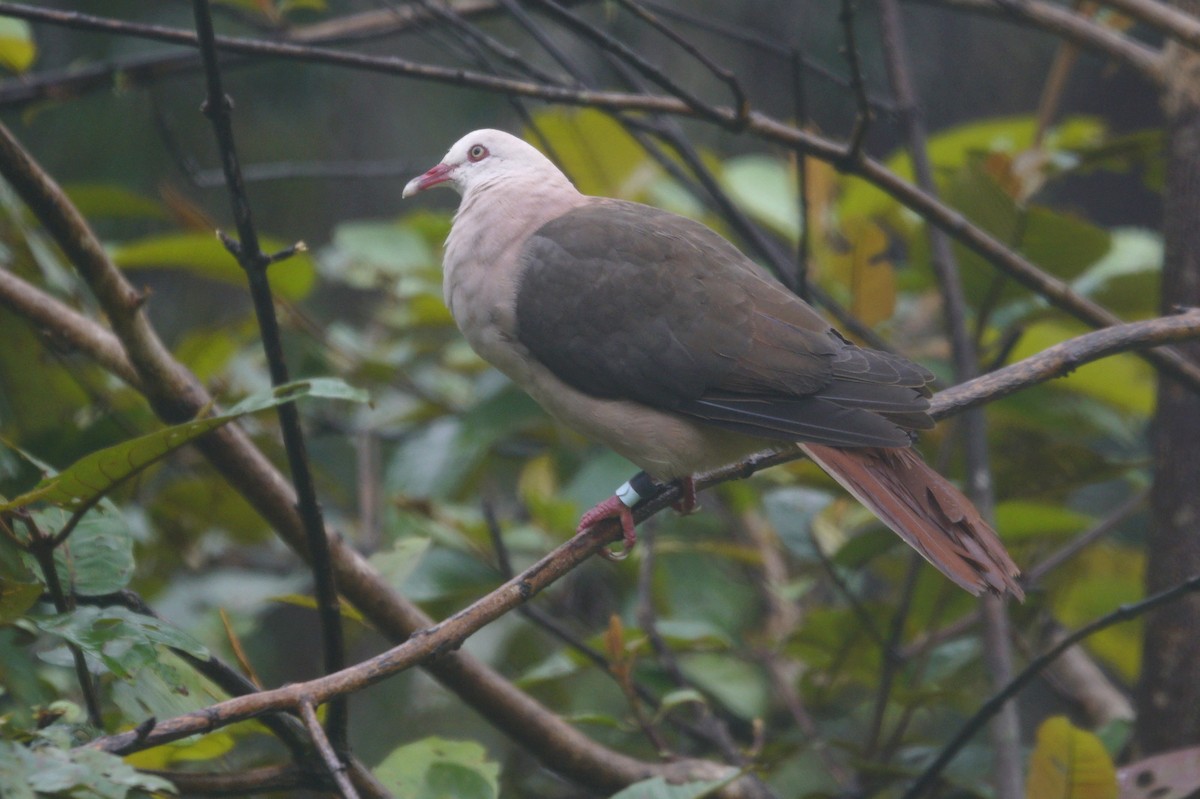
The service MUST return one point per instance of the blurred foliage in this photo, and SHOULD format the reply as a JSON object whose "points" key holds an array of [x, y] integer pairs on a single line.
{"points": [[781, 586]]}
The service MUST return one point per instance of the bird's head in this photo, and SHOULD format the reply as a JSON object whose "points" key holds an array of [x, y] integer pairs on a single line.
{"points": [[481, 158]]}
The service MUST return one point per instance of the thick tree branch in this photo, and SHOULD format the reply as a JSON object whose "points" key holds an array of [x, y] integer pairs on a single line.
{"points": [[63, 325]]}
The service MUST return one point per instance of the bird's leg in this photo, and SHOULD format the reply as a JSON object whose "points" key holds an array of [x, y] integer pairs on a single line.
{"points": [[620, 506], [686, 504]]}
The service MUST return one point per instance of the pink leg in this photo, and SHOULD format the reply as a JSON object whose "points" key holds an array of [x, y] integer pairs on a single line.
{"points": [[611, 508], [687, 496]]}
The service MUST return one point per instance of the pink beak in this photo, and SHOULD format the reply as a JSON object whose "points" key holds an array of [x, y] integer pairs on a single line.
{"points": [[439, 174]]}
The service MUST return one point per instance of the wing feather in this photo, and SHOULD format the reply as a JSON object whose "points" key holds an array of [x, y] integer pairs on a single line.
{"points": [[621, 300]]}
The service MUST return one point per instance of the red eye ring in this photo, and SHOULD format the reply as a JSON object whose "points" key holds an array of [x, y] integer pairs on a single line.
{"points": [[477, 153]]}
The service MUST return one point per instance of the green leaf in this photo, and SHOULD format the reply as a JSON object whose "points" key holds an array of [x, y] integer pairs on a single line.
{"points": [[98, 557], [15, 767], [95, 200], [738, 685], [17, 48], [1095, 582], [123, 641], [387, 255], [19, 588], [1022, 521], [791, 511], [1126, 279], [766, 188], [659, 788], [205, 256], [1062, 244], [95, 474], [79, 772], [437, 459], [436, 768], [397, 563]]}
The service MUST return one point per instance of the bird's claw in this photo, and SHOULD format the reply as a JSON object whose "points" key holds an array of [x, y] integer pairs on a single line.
{"points": [[686, 504], [612, 508]]}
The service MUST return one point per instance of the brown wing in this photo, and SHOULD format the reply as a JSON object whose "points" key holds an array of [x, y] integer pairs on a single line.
{"points": [[622, 300]]}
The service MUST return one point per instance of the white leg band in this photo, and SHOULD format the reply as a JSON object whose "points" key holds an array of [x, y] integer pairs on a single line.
{"points": [[628, 495]]}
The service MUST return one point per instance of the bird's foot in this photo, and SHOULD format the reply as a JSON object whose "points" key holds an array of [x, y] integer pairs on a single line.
{"points": [[612, 508], [686, 504]]}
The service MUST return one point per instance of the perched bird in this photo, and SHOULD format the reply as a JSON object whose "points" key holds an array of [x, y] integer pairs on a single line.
{"points": [[651, 333]]}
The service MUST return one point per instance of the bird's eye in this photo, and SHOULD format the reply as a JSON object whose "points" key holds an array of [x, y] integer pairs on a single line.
{"points": [[477, 153]]}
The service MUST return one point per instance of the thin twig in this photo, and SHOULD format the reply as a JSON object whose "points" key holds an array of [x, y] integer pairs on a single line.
{"points": [[995, 702], [858, 86], [1070, 26], [1034, 574], [329, 758], [889, 654], [722, 73], [998, 654], [286, 727], [735, 121], [41, 545], [804, 241], [716, 730], [254, 262]]}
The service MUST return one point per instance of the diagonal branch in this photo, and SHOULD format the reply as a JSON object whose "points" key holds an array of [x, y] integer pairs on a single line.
{"points": [[1069, 26], [989, 708]]}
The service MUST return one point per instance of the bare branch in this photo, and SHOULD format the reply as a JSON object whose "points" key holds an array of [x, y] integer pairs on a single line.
{"points": [[1064, 358], [1072, 27], [254, 263]]}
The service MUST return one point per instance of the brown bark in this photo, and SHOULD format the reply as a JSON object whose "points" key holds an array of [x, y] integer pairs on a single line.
{"points": [[1168, 697]]}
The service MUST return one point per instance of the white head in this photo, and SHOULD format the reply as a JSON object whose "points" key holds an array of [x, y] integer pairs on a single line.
{"points": [[483, 157]]}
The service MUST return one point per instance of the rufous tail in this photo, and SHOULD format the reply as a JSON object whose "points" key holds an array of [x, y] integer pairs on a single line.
{"points": [[927, 511]]}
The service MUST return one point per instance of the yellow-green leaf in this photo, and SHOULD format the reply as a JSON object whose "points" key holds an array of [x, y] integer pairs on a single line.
{"points": [[1123, 381], [1095, 582], [203, 254], [1069, 763], [17, 48], [871, 273], [595, 151]]}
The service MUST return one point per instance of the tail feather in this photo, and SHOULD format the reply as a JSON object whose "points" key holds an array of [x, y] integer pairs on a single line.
{"points": [[924, 509]]}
